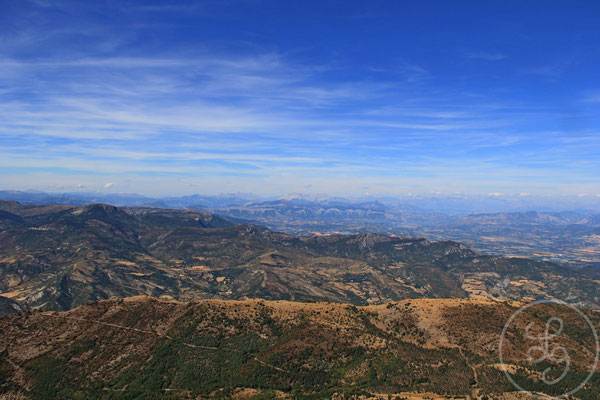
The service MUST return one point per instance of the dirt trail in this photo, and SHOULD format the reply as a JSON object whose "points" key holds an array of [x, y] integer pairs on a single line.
{"points": [[49, 314], [475, 389], [193, 346]]}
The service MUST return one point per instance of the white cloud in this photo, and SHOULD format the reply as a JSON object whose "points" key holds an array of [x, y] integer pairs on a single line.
{"points": [[265, 117]]}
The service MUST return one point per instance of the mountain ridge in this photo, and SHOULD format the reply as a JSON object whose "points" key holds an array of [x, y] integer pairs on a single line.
{"points": [[65, 256], [218, 349]]}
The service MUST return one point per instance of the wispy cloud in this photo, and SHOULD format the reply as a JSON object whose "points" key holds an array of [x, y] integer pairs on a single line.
{"points": [[98, 101], [593, 97], [485, 56], [551, 70]]}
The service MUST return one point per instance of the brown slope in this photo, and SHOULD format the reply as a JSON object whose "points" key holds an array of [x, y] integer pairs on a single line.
{"points": [[141, 348]]}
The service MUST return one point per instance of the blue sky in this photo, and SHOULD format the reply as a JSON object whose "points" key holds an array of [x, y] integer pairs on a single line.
{"points": [[272, 97]]}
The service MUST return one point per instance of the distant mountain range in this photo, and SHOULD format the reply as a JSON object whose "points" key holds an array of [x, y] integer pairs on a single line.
{"points": [[82, 198], [451, 204], [58, 257], [569, 237]]}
